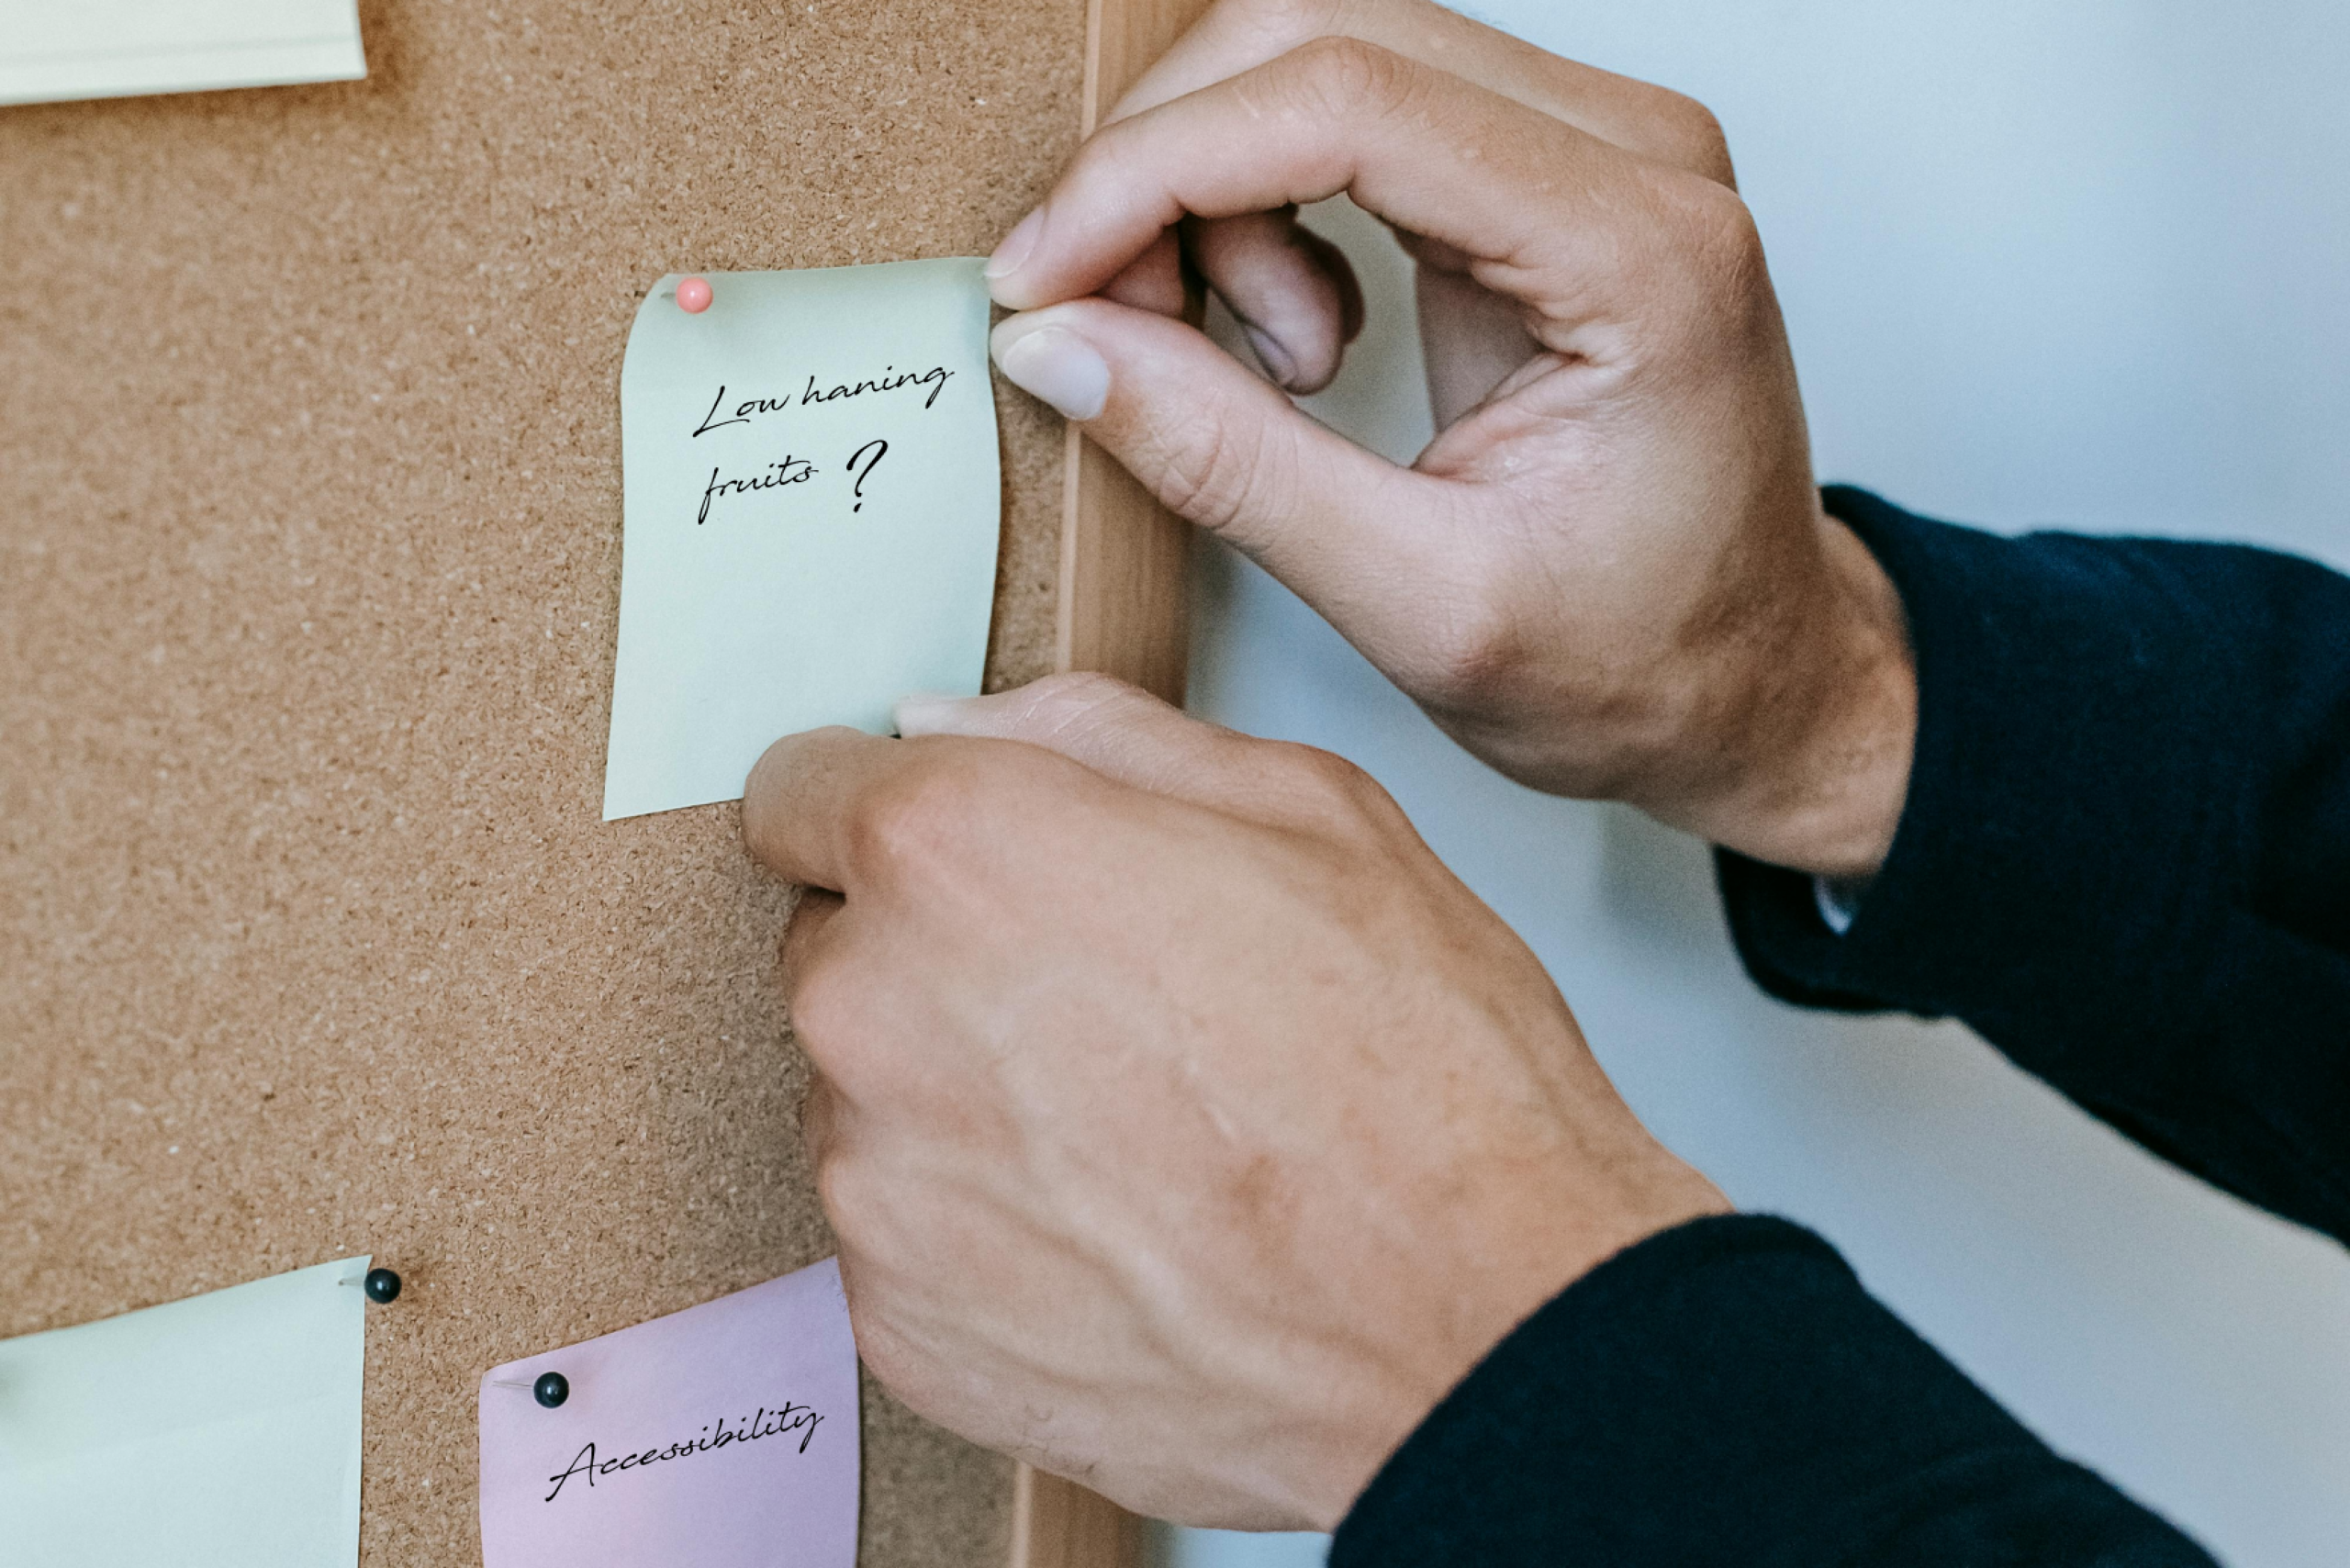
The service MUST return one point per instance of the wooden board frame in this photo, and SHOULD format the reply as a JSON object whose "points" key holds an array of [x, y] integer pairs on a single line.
{"points": [[1122, 610], [1123, 565]]}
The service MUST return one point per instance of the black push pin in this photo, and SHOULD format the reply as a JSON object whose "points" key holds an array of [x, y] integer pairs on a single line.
{"points": [[379, 1284], [550, 1390]]}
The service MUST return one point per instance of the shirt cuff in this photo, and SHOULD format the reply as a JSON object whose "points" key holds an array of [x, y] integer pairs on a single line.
{"points": [[1838, 900]]}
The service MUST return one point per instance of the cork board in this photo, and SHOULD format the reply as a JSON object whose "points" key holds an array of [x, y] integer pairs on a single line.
{"points": [[311, 940]]}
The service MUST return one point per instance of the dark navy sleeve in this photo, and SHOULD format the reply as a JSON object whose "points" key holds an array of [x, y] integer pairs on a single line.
{"points": [[2125, 855], [1726, 1396], [2125, 859]]}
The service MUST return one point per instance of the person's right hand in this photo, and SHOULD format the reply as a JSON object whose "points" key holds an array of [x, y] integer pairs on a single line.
{"points": [[1610, 573], [1187, 1129]]}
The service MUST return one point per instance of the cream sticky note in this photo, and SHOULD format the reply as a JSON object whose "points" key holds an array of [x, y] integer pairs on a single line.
{"points": [[725, 1436], [809, 480], [221, 1431], [107, 48]]}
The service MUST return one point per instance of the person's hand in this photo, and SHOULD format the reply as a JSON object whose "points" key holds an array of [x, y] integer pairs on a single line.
{"points": [[1610, 573], [1188, 1128]]}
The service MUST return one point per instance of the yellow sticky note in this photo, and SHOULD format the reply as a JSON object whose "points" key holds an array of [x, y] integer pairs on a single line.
{"points": [[221, 1431], [812, 504]]}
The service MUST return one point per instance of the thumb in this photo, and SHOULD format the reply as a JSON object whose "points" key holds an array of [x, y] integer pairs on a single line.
{"points": [[1357, 537], [1130, 737], [1119, 731]]}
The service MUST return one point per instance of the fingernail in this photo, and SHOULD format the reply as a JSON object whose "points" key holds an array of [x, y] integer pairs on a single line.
{"points": [[926, 712], [1271, 355], [1016, 245], [1055, 364]]}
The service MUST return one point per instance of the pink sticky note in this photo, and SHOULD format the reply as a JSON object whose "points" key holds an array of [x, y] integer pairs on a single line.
{"points": [[725, 1436]]}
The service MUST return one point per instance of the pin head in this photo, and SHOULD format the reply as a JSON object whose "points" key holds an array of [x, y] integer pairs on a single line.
{"points": [[693, 295], [381, 1286], [552, 1388]]}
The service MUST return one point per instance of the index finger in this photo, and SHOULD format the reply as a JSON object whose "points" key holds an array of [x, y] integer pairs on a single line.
{"points": [[1546, 210], [800, 804], [1640, 116]]}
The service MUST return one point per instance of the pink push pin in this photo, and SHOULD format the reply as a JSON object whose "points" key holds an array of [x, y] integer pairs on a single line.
{"points": [[693, 295]]}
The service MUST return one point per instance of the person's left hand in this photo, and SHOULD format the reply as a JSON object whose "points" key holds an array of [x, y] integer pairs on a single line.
{"points": [[1611, 575], [1188, 1128]]}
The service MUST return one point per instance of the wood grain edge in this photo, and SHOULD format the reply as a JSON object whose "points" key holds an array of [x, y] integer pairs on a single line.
{"points": [[1123, 565], [1058, 1524], [1121, 609], [1123, 560]]}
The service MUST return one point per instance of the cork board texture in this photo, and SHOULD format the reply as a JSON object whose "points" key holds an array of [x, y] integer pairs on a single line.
{"points": [[311, 942]]}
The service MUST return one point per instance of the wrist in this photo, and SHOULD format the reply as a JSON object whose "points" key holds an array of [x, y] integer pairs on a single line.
{"points": [[1835, 798], [1818, 779]]}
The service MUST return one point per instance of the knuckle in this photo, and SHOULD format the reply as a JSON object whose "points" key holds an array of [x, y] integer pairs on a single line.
{"points": [[1708, 241], [1729, 250], [822, 1006], [849, 1196], [1694, 139], [1474, 649], [1074, 697], [1336, 75], [1728, 222], [1335, 776], [1224, 470], [1336, 786], [890, 1357], [921, 811], [1284, 23], [1086, 711], [1208, 475]]}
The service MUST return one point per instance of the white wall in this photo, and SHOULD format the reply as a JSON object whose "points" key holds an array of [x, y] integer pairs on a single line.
{"points": [[2078, 263]]}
